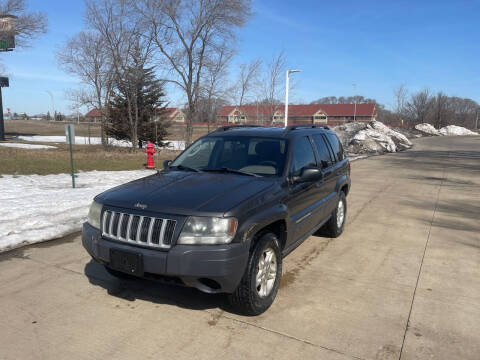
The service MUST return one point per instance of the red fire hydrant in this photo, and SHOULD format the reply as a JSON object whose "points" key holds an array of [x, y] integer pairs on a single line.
{"points": [[150, 151]]}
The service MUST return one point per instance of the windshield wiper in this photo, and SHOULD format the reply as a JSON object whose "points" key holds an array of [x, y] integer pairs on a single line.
{"points": [[183, 167], [232, 171]]}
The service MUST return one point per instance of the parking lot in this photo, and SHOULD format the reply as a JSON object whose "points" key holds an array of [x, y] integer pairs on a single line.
{"points": [[401, 282]]}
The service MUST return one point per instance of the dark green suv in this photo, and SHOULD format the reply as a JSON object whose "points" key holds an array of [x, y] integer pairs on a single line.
{"points": [[225, 212]]}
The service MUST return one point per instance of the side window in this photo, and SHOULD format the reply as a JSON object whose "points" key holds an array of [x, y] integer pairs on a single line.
{"points": [[322, 150], [336, 146], [302, 155]]}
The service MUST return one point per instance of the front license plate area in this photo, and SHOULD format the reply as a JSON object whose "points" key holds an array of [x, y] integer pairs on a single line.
{"points": [[127, 262]]}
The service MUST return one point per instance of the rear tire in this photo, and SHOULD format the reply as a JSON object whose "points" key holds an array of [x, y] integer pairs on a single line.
{"points": [[259, 286], [334, 226]]}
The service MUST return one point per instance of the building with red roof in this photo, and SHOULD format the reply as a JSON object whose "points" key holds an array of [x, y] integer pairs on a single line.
{"points": [[172, 114], [331, 114], [93, 115]]}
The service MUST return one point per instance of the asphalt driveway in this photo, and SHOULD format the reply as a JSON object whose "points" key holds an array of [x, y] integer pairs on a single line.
{"points": [[403, 281]]}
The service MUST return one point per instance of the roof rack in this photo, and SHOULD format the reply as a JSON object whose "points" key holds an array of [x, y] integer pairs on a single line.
{"points": [[306, 126], [229, 127]]}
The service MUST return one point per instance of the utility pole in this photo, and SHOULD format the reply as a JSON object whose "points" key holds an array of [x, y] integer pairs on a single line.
{"points": [[287, 85], [355, 97], [476, 119], [53, 104]]}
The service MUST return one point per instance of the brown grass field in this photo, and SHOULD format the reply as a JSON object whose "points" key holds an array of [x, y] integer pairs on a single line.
{"points": [[32, 127], [86, 157]]}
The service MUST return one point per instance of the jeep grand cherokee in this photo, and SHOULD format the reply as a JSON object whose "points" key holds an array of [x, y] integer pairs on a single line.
{"points": [[225, 212]]}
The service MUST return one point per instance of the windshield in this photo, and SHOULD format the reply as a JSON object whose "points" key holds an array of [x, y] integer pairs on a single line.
{"points": [[254, 155]]}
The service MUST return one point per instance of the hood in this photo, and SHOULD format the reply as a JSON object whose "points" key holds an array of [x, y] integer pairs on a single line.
{"points": [[185, 193]]}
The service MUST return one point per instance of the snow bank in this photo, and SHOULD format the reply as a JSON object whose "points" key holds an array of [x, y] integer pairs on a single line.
{"points": [[371, 138], [27, 146], [84, 140], [427, 129], [450, 130], [37, 208], [455, 130]]}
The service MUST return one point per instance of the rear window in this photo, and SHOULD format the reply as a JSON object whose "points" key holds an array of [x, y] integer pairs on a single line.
{"points": [[322, 150], [336, 146]]}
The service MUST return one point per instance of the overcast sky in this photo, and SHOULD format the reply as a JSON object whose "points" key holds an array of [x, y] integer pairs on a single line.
{"points": [[375, 44]]}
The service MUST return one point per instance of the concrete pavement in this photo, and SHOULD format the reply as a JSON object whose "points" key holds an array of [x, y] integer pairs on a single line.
{"points": [[401, 282]]}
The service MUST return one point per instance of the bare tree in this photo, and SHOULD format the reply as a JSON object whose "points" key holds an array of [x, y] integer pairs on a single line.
{"points": [[440, 110], [85, 55], [344, 100], [213, 86], [189, 32], [273, 83], [129, 50], [419, 106], [247, 81], [27, 25], [400, 95]]}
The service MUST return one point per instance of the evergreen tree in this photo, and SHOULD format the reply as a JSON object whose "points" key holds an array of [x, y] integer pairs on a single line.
{"points": [[149, 95]]}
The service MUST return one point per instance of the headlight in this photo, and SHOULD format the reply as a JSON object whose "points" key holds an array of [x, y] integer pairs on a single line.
{"points": [[208, 231], [94, 214]]}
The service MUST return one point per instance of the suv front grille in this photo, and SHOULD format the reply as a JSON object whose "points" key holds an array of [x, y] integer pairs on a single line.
{"points": [[141, 230]]}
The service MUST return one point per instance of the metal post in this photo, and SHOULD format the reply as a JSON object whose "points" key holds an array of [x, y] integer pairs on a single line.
{"points": [[355, 97], [53, 103], [476, 119], [71, 155], [287, 86], [2, 126], [286, 97]]}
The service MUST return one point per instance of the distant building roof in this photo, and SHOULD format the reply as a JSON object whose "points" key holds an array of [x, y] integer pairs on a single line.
{"points": [[304, 110], [94, 113]]}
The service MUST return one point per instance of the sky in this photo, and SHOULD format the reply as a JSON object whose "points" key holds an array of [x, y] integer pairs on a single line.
{"points": [[376, 45]]}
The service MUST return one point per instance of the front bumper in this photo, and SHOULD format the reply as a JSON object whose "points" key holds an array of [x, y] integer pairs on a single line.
{"points": [[209, 268]]}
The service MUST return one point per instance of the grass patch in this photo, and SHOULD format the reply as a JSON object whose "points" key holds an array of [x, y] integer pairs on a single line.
{"points": [[52, 128], [85, 158]]}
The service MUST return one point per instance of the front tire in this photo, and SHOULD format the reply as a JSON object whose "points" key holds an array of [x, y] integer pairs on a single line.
{"points": [[259, 286]]}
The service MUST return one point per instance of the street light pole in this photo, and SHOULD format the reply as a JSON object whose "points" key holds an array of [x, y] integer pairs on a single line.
{"points": [[476, 119], [287, 86], [53, 102], [355, 97]]}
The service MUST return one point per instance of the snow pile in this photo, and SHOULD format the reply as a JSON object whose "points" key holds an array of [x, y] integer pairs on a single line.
{"points": [[455, 130], [37, 208], [427, 129], [27, 146], [400, 140], [84, 140], [79, 140], [373, 138], [373, 141]]}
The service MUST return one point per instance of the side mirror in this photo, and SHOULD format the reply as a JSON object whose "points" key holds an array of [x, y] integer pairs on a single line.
{"points": [[166, 164], [308, 174]]}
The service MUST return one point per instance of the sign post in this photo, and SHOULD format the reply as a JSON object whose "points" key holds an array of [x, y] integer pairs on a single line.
{"points": [[3, 83], [7, 43], [70, 132]]}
